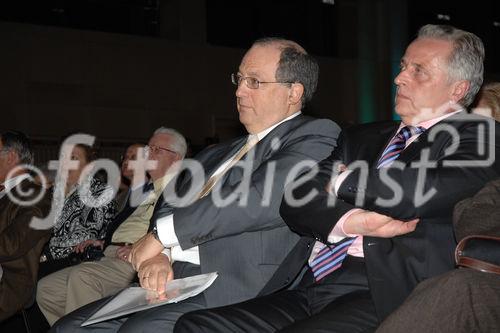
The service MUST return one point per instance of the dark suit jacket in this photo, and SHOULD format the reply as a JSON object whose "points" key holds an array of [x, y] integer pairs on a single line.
{"points": [[395, 265], [20, 249], [245, 244]]}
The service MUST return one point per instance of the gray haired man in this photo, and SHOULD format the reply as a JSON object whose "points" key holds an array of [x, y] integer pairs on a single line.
{"points": [[244, 243]]}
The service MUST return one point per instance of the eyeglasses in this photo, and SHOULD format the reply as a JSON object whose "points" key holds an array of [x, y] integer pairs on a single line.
{"points": [[156, 149], [251, 82]]}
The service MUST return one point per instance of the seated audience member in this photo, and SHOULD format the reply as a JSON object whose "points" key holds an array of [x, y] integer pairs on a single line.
{"points": [[243, 242], [20, 245], [488, 101], [78, 223], [465, 299], [68, 289], [126, 175], [127, 183], [375, 231]]}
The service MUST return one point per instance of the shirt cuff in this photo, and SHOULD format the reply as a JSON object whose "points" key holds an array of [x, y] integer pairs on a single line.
{"points": [[340, 179], [167, 252], [166, 231], [191, 255], [337, 233]]}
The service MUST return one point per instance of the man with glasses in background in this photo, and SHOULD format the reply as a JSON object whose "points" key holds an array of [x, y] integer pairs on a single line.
{"points": [[70, 288], [243, 243]]}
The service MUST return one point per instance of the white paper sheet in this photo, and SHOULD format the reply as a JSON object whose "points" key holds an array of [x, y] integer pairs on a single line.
{"points": [[136, 299]]}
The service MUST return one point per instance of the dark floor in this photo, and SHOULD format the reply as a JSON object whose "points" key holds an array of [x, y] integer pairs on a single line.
{"points": [[36, 322]]}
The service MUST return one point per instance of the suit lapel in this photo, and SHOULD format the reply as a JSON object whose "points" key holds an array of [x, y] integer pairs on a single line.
{"points": [[4, 201], [385, 135], [414, 150], [262, 148], [382, 140], [224, 154], [370, 145], [210, 159]]}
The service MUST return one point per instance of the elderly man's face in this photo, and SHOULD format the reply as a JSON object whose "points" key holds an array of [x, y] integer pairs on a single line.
{"points": [[270, 103], [160, 150], [422, 83]]}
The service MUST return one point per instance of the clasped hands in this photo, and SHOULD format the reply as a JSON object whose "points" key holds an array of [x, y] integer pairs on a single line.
{"points": [[153, 267]]}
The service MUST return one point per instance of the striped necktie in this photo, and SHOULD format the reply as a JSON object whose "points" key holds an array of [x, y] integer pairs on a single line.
{"points": [[330, 258], [209, 185], [397, 145]]}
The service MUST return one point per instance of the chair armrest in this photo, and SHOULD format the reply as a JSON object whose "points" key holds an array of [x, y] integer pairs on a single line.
{"points": [[479, 252]]}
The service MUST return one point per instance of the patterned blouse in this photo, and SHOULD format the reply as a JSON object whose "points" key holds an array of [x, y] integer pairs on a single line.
{"points": [[79, 222]]}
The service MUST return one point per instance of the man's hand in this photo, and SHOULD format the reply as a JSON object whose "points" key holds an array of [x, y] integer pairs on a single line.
{"points": [[155, 273], [80, 248], [368, 223], [123, 252], [145, 248]]}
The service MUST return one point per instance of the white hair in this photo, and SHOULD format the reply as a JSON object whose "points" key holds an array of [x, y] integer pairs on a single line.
{"points": [[179, 144], [466, 59]]}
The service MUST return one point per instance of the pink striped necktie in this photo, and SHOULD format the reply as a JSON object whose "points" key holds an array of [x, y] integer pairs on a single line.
{"points": [[397, 145], [330, 257]]}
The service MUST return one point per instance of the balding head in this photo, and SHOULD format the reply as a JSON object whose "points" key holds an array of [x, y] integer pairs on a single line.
{"points": [[295, 65]]}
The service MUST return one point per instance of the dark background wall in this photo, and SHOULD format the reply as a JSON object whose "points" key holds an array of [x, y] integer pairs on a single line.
{"points": [[56, 81], [118, 69]]}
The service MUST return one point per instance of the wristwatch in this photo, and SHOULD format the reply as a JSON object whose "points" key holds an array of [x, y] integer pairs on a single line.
{"points": [[154, 232]]}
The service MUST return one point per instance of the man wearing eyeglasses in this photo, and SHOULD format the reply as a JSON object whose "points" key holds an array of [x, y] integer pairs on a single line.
{"points": [[390, 227], [68, 289], [244, 243]]}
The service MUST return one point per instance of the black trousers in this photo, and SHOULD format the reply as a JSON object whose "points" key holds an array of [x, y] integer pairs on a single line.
{"points": [[341, 302]]}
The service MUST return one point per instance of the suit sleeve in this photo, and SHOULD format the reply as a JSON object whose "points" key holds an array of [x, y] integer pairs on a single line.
{"points": [[326, 213], [203, 221], [447, 184], [19, 238]]}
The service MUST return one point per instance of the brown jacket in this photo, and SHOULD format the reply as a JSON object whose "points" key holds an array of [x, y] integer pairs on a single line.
{"points": [[20, 247], [479, 215]]}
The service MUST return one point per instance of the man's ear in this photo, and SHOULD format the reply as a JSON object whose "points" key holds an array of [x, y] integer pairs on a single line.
{"points": [[295, 94], [12, 158], [460, 89]]}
